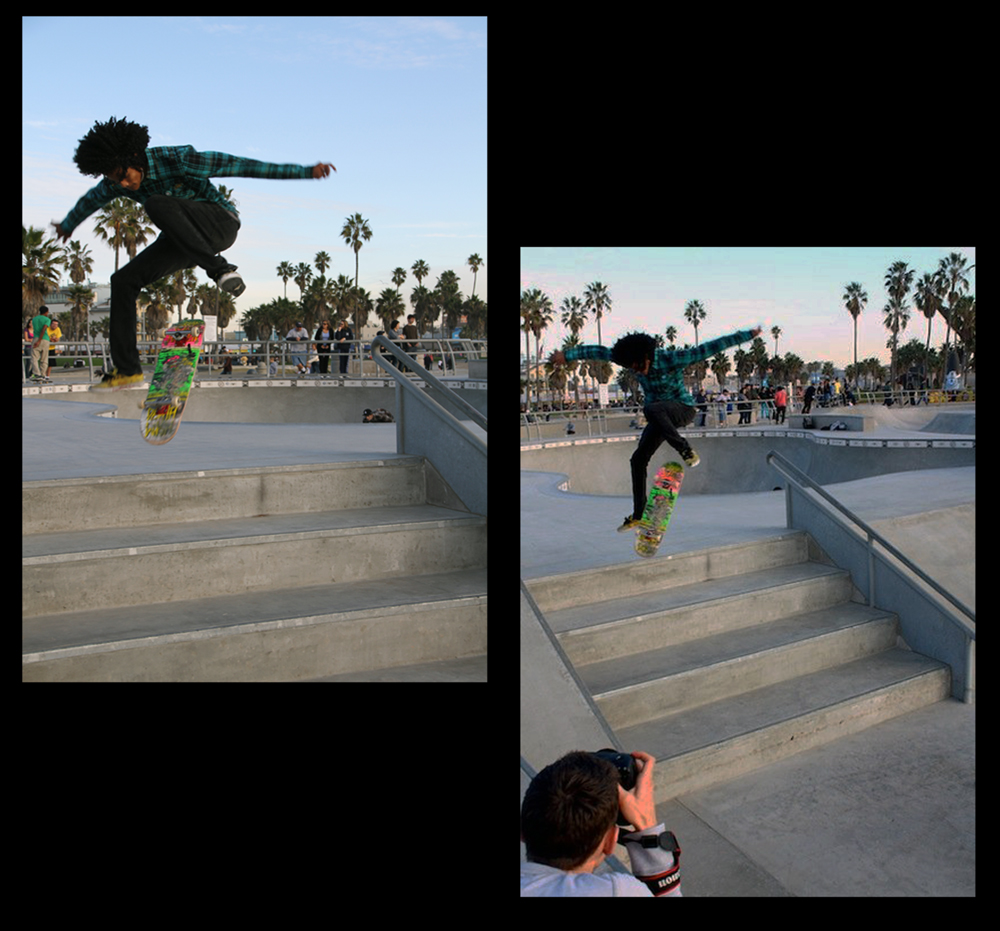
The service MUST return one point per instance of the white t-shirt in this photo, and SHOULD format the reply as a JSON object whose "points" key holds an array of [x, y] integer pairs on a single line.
{"points": [[537, 879]]}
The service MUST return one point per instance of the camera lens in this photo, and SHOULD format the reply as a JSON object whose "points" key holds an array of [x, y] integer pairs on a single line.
{"points": [[623, 762]]}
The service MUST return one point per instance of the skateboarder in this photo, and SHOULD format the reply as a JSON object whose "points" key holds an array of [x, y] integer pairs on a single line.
{"points": [[668, 404], [196, 221]]}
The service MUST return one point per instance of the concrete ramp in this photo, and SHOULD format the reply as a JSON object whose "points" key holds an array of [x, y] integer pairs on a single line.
{"points": [[526, 776], [939, 418], [942, 542], [953, 422], [557, 713]]}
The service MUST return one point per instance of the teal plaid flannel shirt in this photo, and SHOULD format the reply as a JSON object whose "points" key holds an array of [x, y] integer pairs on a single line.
{"points": [[182, 171], [665, 381]]}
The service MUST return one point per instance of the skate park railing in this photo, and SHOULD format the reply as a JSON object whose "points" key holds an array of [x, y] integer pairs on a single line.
{"points": [[933, 622], [254, 357], [429, 423]]}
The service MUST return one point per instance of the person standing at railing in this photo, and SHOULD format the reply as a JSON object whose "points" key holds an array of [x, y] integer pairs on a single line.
{"points": [[298, 335], [40, 345], [780, 404], [323, 337], [411, 335], [343, 337]]}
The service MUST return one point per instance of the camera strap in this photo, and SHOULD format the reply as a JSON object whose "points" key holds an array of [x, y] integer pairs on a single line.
{"points": [[666, 881]]}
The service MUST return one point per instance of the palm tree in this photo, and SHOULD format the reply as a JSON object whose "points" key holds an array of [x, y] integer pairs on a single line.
{"points": [[898, 280], [855, 298], [597, 299], [474, 262], [952, 273], [355, 229], [694, 313]]}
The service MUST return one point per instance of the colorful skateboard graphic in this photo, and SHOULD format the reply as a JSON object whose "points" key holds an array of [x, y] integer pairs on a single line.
{"points": [[659, 507], [176, 365]]}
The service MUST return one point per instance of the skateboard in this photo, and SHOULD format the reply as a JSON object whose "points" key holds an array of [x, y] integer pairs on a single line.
{"points": [[176, 364], [659, 507]]}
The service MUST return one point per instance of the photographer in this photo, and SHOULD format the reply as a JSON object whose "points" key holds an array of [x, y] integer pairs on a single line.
{"points": [[568, 827]]}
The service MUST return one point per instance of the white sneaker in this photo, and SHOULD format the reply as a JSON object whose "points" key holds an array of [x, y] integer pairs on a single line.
{"points": [[232, 282]]}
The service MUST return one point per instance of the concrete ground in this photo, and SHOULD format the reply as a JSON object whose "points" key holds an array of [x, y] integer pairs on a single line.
{"points": [[62, 439]]}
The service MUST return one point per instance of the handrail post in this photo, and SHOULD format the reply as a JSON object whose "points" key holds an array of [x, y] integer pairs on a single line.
{"points": [[871, 572]]}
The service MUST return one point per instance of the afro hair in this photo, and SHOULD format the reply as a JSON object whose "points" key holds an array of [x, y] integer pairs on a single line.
{"points": [[632, 348], [111, 146]]}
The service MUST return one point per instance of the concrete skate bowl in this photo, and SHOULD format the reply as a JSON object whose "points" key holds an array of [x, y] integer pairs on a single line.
{"points": [[734, 462], [949, 419], [319, 401]]}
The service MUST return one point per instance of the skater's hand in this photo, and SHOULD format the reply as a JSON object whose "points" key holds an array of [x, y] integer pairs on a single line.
{"points": [[322, 170], [558, 358], [60, 232], [755, 331], [638, 805]]}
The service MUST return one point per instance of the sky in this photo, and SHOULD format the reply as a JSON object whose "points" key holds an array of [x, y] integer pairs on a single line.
{"points": [[797, 289], [398, 105]]}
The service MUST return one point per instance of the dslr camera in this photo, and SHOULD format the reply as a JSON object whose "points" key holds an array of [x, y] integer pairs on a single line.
{"points": [[625, 764]]}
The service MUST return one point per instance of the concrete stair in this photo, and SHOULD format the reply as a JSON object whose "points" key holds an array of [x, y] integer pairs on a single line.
{"points": [[276, 574], [724, 660]]}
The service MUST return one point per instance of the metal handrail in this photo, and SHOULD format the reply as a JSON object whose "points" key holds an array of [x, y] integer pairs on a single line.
{"points": [[461, 463], [795, 474], [438, 388]]}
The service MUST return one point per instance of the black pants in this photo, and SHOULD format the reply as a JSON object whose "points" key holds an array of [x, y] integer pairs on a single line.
{"points": [[663, 418], [193, 233]]}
